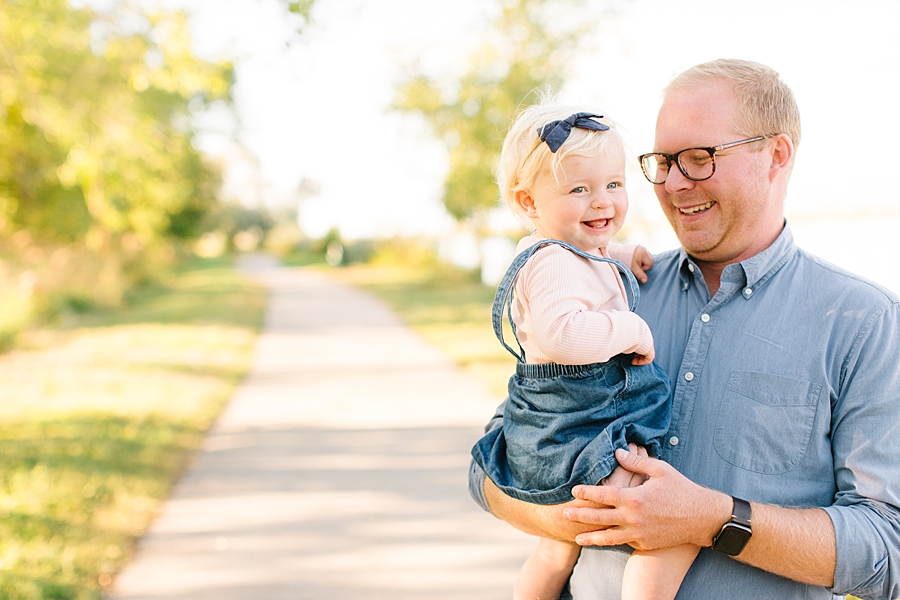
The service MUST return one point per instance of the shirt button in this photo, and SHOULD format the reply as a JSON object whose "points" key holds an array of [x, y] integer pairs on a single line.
{"points": [[691, 268], [704, 318], [673, 440], [748, 291], [689, 376]]}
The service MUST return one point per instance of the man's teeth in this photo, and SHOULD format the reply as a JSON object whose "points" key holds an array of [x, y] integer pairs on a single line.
{"points": [[696, 209]]}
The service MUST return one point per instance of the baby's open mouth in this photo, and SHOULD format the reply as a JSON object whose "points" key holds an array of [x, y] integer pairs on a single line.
{"points": [[597, 224]]}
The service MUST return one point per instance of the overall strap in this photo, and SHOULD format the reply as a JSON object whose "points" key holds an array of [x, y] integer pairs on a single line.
{"points": [[503, 297]]}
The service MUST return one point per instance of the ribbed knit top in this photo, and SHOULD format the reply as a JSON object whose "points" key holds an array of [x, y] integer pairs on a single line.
{"points": [[574, 311]]}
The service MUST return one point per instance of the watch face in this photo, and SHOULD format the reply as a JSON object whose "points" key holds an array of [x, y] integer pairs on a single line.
{"points": [[732, 539]]}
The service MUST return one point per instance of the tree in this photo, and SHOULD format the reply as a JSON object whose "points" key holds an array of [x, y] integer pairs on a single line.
{"points": [[524, 53], [98, 170], [95, 123]]}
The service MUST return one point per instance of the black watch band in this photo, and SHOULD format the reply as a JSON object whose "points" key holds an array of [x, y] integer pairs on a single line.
{"points": [[735, 534]]}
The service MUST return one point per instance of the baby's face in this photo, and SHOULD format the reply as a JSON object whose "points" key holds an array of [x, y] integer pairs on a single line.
{"points": [[587, 206]]}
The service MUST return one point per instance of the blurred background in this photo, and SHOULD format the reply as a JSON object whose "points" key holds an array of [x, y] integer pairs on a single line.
{"points": [[145, 143], [384, 117], [133, 131]]}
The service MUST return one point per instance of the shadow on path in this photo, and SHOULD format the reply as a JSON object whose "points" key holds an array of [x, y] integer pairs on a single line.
{"points": [[337, 471]]}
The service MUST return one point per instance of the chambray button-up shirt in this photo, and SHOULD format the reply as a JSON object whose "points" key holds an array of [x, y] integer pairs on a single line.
{"points": [[787, 391]]}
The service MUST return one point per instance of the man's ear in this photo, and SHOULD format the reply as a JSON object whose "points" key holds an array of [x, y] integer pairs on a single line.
{"points": [[782, 155], [523, 200]]}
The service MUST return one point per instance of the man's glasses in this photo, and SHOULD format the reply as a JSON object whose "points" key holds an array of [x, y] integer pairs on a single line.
{"points": [[697, 164]]}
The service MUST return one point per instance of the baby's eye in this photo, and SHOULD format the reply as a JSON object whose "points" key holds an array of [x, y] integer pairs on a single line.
{"points": [[613, 185], [579, 190]]}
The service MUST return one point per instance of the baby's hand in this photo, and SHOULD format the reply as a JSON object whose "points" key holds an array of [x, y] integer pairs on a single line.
{"points": [[643, 359], [641, 263]]}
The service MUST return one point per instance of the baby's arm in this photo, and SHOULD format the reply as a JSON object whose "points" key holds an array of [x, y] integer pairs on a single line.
{"points": [[636, 258], [571, 304]]}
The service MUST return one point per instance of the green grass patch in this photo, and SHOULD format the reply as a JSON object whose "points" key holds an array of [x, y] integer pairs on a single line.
{"points": [[100, 416], [449, 307]]}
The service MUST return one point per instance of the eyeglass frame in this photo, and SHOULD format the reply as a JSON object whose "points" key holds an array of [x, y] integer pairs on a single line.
{"points": [[711, 150]]}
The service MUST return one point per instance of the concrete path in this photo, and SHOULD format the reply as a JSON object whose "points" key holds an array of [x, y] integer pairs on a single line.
{"points": [[338, 470]]}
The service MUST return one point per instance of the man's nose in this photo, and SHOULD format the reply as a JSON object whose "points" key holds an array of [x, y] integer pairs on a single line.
{"points": [[676, 181]]}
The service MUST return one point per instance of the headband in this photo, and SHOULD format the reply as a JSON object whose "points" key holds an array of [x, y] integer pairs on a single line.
{"points": [[555, 133]]}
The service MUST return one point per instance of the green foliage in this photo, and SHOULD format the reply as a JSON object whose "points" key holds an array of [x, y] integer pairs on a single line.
{"points": [[97, 421], [234, 217], [60, 476], [300, 7], [100, 181], [95, 124], [525, 54], [52, 282]]}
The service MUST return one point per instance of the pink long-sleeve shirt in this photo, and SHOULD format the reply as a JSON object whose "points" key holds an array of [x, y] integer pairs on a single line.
{"points": [[573, 311]]}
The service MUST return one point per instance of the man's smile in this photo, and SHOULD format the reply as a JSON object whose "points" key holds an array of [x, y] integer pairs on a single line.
{"points": [[692, 210]]}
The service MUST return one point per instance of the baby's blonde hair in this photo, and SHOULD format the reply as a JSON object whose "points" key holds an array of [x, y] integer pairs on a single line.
{"points": [[524, 156]]}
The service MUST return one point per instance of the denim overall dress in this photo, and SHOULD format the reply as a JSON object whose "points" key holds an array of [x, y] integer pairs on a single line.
{"points": [[563, 423]]}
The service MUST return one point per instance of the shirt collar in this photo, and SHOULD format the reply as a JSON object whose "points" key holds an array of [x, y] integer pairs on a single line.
{"points": [[756, 269]]}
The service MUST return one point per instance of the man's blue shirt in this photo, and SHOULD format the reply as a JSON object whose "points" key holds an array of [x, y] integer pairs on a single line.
{"points": [[786, 391]]}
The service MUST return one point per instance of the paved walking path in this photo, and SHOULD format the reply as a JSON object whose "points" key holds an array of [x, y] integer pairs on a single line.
{"points": [[337, 471]]}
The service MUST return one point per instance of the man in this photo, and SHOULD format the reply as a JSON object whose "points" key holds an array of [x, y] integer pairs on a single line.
{"points": [[783, 451]]}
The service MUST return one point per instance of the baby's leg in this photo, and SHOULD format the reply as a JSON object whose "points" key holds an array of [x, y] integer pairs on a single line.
{"points": [[545, 573], [657, 574]]}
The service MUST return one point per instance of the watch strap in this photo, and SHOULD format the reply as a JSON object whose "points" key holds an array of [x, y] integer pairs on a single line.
{"points": [[741, 512]]}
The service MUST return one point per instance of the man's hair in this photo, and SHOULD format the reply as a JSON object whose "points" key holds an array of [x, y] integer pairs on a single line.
{"points": [[524, 156], [766, 105]]}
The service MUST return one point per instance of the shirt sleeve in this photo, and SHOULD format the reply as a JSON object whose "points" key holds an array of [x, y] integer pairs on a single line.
{"points": [[566, 300], [866, 448]]}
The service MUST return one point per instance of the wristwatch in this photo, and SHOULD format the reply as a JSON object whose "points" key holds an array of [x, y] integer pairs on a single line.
{"points": [[734, 534]]}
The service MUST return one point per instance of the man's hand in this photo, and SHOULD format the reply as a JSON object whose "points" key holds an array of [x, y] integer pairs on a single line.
{"points": [[545, 520], [666, 510], [641, 263], [622, 477], [549, 520]]}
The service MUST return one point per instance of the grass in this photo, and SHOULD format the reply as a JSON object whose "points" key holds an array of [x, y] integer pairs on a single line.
{"points": [[99, 417], [450, 308]]}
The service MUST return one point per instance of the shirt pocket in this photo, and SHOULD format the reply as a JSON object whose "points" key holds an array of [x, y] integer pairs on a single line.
{"points": [[765, 421]]}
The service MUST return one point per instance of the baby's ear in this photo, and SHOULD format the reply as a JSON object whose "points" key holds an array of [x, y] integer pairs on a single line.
{"points": [[524, 201]]}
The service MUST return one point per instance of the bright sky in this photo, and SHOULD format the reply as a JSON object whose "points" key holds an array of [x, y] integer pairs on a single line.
{"points": [[318, 109]]}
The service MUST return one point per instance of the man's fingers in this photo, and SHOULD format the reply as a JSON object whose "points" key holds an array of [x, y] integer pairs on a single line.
{"points": [[602, 495], [588, 516], [636, 463], [610, 537]]}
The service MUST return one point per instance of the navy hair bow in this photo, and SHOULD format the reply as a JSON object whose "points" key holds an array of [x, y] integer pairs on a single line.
{"points": [[555, 133]]}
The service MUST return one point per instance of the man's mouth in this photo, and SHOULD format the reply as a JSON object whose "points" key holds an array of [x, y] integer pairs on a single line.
{"points": [[696, 209]]}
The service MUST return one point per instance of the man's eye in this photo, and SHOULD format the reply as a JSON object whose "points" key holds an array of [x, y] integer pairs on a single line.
{"points": [[697, 158]]}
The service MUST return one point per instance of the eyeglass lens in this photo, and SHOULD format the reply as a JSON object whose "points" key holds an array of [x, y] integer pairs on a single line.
{"points": [[695, 163]]}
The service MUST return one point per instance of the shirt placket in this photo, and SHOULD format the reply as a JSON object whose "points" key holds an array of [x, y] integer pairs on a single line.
{"points": [[688, 382]]}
